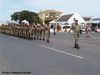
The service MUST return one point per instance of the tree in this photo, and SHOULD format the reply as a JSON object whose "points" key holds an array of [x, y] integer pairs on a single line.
{"points": [[31, 17]]}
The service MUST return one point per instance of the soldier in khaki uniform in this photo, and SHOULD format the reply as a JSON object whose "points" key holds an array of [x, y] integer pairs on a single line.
{"points": [[76, 30], [30, 32], [40, 32], [47, 32], [27, 31], [24, 32], [37, 32], [20, 32], [43, 32], [34, 32]]}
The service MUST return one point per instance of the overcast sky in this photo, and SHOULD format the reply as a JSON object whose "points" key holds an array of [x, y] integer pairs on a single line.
{"points": [[83, 7]]}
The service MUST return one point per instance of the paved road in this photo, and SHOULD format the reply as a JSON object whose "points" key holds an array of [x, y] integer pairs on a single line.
{"points": [[56, 58]]}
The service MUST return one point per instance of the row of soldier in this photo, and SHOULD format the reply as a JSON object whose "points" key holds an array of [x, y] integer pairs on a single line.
{"points": [[36, 32]]}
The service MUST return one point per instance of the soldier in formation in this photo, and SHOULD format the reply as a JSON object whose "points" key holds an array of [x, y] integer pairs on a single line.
{"points": [[47, 31], [36, 32]]}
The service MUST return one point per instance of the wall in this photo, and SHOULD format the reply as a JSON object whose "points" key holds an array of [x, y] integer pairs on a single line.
{"points": [[77, 17]]}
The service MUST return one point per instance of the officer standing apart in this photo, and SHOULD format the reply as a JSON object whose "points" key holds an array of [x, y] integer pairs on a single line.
{"points": [[76, 31]]}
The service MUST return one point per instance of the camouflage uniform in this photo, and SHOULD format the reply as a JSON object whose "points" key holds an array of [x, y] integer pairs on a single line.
{"points": [[24, 32], [43, 32], [47, 32], [37, 32], [76, 30], [40, 32], [30, 32], [34, 32]]}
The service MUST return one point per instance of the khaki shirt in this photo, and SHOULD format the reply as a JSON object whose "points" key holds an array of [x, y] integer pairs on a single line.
{"points": [[76, 28]]}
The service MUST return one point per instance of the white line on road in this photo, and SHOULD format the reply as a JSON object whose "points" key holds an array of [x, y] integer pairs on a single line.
{"points": [[63, 52]]}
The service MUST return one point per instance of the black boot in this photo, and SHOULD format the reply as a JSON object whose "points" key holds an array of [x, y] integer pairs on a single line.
{"points": [[43, 39], [47, 41], [77, 46], [34, 38], [31, 38]]}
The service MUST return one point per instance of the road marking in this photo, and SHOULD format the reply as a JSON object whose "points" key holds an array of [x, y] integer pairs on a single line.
{"points": [[53, 49]]}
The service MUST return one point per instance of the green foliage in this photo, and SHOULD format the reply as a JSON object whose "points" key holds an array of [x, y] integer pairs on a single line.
{"points": [[31, 17], [15, 16]]}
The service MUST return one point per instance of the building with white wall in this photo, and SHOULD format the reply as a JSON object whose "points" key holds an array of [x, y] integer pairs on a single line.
{"points": [[49, 15], [69, 19]]}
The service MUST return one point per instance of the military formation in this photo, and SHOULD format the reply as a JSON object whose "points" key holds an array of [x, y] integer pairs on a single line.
{"points": [[36, 32]]}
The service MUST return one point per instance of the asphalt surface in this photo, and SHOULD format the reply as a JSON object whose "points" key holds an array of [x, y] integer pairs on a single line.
{"points": [[55, 58]]}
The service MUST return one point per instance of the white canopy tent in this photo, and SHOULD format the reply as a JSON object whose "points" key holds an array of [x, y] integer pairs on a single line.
{"points": [[13, 22], [25, 22]]}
